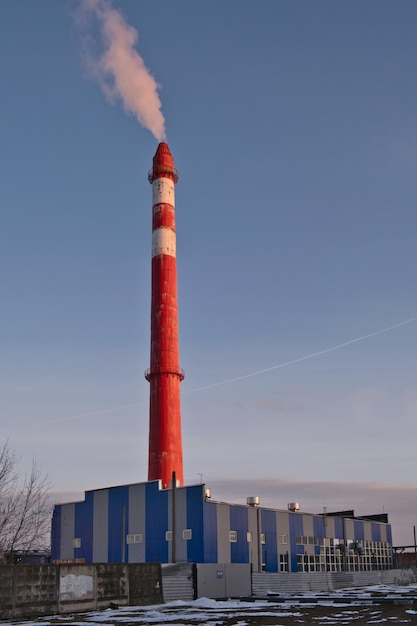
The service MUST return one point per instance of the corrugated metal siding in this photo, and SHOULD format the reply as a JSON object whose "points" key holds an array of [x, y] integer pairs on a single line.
{"points": [[223, 528], [195, 545], [239, 550], [118, 518], [349, 529], [145, 510], [178, 582], [83, 528], [376, 532], [210, 532], [67, 531], [359, 530], [156, 523], [339, 530], [296, 529], [56, 534], [137, 523], [296, 583], [180, 524], [268, 582], [253, 546], [269, 548], [101, 526]]}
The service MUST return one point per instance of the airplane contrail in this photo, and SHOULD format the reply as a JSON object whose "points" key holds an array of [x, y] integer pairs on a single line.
{"points": [[307, 356], [244, 376]]}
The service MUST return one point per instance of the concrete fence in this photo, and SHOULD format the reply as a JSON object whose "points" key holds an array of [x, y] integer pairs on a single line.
{"points": [[34, 590]]}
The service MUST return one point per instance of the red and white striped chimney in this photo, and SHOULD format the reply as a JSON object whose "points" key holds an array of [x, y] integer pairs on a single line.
{"points": [[165, 374]]}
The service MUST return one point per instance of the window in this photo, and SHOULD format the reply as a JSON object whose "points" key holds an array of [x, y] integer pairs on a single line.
{"points": [[137, 538], [168, 535], [187, 534], [283, 562], [233, 536], [248, 536], [301, 563], [283, 539], [76, 542], [303, 540], [262, 537]]}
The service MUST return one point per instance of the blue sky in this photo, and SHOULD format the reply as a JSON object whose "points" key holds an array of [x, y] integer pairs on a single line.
{"points": [[293, 127]]}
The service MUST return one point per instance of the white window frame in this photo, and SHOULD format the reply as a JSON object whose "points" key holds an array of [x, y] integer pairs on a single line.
{"points": [[187, 534], [233, 536], [76, 542], [134, 538]]}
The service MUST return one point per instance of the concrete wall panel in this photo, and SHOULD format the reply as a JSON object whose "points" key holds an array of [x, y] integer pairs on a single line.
{"points": [[112, 584], [76, 588], [6, 591], [145, 583], [35, 590]]}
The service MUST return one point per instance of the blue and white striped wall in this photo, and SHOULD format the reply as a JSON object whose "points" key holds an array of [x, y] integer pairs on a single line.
{"points": [[100, 528], [130, 524]]}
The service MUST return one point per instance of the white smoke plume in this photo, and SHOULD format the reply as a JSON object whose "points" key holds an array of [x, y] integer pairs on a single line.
{"points": [[120, 70]]}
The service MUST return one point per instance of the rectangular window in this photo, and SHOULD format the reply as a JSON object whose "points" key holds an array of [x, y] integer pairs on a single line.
{"points": [[262, 537], [136, 538], [283, 539], [187, 534], [283, 562], [76, 542], [248, 536], [300, 563], [168, 535], [233, 536]]}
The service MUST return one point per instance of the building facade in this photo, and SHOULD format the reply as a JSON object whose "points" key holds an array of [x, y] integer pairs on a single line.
{"points": [[143, 523]]}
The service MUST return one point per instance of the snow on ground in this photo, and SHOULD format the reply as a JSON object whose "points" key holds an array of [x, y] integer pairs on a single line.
{"points": [[207, 612]]}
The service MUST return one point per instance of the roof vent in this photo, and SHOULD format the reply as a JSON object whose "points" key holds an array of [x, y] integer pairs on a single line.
{"points": [[294, 506], [253, 500]]}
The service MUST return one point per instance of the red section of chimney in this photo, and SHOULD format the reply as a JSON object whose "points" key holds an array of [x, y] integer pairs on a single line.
{"points": [[165, 374], [163, 164]]}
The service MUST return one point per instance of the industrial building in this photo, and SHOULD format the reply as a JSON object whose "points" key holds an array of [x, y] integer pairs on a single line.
{"points": [[163, 520], [145, 523]]}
